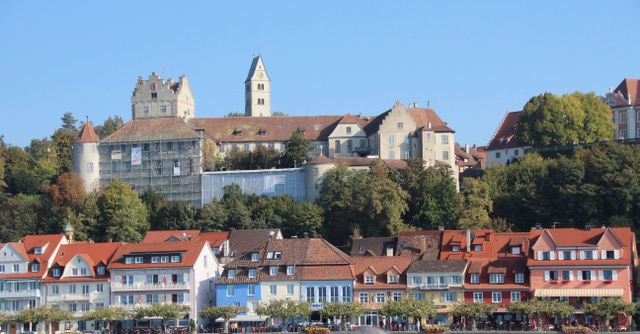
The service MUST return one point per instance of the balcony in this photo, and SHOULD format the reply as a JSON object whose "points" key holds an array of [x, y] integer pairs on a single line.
{"points": [[20, 294], [78, 297], [133, 306], [436, 286], [149, 286]]}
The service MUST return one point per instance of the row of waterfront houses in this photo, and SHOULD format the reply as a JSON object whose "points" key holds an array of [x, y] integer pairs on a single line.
{"points": [[246, 268]]}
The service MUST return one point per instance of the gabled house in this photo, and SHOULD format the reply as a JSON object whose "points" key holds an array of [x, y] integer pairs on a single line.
{"points": [[306, 269], [379, 279], [375, 246], [504, 147], [78, 281], [174, 272], [625, 106], [497, 269], [583, 265], [23, 265]]}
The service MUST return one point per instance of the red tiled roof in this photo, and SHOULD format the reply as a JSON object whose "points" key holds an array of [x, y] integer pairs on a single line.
{"points": [[153, 129], [627, 87], [87, 135], [92, 253], [505, 135], [215, 239], [190, 251], [426, 116], [26, 248], [164, 235], [348, 119], [381, 265]]}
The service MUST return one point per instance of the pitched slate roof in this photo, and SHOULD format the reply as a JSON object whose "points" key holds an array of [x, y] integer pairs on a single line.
{"points": [[376, 246], [166, 128], [505, 135], [190, 251], [87, 134]]}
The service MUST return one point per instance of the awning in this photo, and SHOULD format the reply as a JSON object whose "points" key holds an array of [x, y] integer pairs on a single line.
{"points": [[578, 292], [245, 318]]}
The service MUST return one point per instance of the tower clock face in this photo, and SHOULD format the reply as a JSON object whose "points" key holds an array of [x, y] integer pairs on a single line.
{"points": [[260, 75]]}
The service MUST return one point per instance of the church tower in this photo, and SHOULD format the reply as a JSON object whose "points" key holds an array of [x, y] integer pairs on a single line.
{"points": [[257, 90]]}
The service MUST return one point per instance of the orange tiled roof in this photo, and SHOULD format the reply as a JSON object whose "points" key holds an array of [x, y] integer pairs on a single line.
{"points": [[87, 135], [93, 253], [153, 129], [164, 235], [190, 251], [26, 248], [381, 265]]}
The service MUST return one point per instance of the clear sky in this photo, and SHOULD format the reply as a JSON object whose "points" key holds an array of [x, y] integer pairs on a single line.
{"points": [[472, 61]]}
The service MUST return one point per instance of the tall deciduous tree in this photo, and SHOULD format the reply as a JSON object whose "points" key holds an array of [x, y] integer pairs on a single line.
{"points": [[297, 150], [175, 215], [477, 205], [123, 216], [225, 312], [68, 190], [61, 145]]}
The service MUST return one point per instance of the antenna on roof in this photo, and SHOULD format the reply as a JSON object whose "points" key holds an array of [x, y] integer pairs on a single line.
{"points": [[554, 224], [163, 68]]}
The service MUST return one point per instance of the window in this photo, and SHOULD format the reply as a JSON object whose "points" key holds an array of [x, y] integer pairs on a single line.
{"points": [[71, 289], [445, 155], [289, 289], [496, 297], [567, 275], [391, 155], [155, 259], [545, 256], [245, 147], [311, 294], [397, 296], [455, 248], [519, 278], [230, 291], [83, 271], [448, 297], [585, 275], [364, 297], [380, 297], [2, 268], [515, 250], [163, 109], [392, 138], [164, 259], [515, 296], [290, 270], [348, 129], [361, 249], [610, 255], [252, 273], [623, 118], [551, 276], [154, 95], [74, 271], [393, 279], [477, 297], [16, 268], [146, 109], [231, 274], [55, 290], [100, 288], [416, 280], [35, 267], [496, 278], [477, 248], [73, 307], [254, 257], [349, 146], [475, 278], [445, 139], [337, 143], [138, 259], [322, 294], [608, 275], [456, 280], [85, 289], [497, 155], [175, 258], [251, 290], [368, 279], [399, 125], [273, 271]]}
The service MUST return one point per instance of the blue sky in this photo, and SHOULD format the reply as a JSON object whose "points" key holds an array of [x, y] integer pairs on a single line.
{"points": [[471, 60]]}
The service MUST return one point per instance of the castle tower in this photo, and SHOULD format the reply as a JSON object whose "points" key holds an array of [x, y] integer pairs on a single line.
{"points": [[155, 98], [257, 90], [85, 158]]}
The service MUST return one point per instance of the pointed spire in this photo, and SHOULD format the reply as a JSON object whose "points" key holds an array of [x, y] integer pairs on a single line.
{"points": [[87, 134]]}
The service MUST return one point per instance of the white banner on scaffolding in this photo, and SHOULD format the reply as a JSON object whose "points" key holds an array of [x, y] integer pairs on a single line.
{"points": [[136, 156], [116, 155]]}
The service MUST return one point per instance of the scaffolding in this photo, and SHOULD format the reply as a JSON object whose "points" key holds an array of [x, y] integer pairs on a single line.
{"points": [[170, 163]]}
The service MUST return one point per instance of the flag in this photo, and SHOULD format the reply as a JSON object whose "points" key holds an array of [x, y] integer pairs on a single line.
{"points": [[139, 300], [164, 281]]}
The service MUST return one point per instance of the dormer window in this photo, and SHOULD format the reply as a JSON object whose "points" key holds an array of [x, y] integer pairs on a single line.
{"points": [[290, 270], [232, 274], [361, 249], [83, 271], [175, 258], [496, 278], [477, 248], [216, 251], [252, 273], [37, 250], [74, 271], [56, 272], [237, 132], [35, 267], [475, 278], [610, 255], [455, 248], [138, 259], [368, 280], [393, 279], [101, 270], [273, 271], [262, 132], [277, 255], [515, 250], [128, 260], [254, 257]]}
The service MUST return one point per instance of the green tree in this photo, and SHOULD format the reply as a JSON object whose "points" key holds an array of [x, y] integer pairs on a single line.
{"points": [[86, 225], [236, 159], [225, 312], [5, 319], [294, 218], [20, 176], [69, 123], [67, 191], [123, 216], [411, 308], [212, 217], [108, 314], [433, 197], [19, 217], [154, 202], [297, 150], [165, 311], [477, 205], [597, 123], [235, 205], [284, 309], [473, 310], [209, 153], [61, 145], [175, 215], [3, 148], [111, 125], [342, 311], [608, 308], [43, 313]]}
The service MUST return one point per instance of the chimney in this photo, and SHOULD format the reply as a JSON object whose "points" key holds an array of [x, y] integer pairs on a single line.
{"points": [[538, 226], [423, 244], [488, 236], [468, 241], [306, 235], [271, 234], [466, 148], [587, 227], [415, 104], [440, 228]]}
